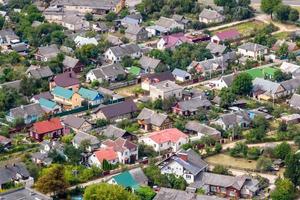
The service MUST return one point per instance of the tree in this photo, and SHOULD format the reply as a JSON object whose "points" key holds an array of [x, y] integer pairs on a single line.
{"points": [[127, 61], [284, 190], [105, 191], [296, 140], [268, 6], [155, 176], [178, 183], [283, 51], [106, 166], [280, 76], [292, 171], [242, 84], [239, 150], [253, 153], [293, 15], [282, 150], [111, 16], [218, 147], [146, 151], [2, 20], [227, 97], [256, 134], [282, 12], [220, 169], [260, 121], [145, 193], [52, 180], [264, 164], [282, 126], [88, 16], [73, 154]]}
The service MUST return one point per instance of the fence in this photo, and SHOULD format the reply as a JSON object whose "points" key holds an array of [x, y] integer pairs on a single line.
{"points": [[118, 85]]}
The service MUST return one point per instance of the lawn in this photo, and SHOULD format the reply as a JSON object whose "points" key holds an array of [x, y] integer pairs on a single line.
{"points": [[246, 28], [282, 35], [229, 161], [262, 72]]}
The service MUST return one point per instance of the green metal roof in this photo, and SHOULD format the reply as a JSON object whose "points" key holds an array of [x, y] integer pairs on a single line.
{"points": [[88, 94], [126, 180], [135, 70], [62, 92], [46, 103]]}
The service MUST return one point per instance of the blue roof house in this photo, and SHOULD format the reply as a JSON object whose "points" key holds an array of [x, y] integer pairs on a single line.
{"points": [[93, 97], [49, 106]]}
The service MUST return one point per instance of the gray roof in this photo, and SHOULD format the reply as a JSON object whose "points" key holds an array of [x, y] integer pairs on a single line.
{"points": [[295, 101], [11, 85], [139, 175], [165, 22], [82, 136], [252, 47], [209, 14], [113, 132], [38, 72], [73, 121], [180, 73], [103, 4], [265, 85], [24, 194], [201, 128], [114, 40], [228, 79], [33, 109], [193, 104], [136, 16], [234, 118], [110, 70], [49, 51], [10, 172], [216, 48], [20, 47], [125, 50], [148, 62], [70, 62], [134, 29], [152, 117], [166, 86], [292, 84]]}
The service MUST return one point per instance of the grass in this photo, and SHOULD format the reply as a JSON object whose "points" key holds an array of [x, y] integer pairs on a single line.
{"points": [[127, 91], [262, 72], [229, 161], [282, 35], [246, 28]]}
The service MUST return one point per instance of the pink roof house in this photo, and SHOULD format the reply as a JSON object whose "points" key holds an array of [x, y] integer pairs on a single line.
{"points": [[171, 41], [227, 35]]}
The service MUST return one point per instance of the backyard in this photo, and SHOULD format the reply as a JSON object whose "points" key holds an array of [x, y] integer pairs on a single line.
{"points": [[128, 91]]}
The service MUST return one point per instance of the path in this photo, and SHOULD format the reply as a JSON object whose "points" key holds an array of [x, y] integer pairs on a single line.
{"points": [[261, 145]]}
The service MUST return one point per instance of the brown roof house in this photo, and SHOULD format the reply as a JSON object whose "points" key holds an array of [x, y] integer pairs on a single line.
{"points": [[76, 123], [201, 130], [113, 132], [149, 79], [117, 111], [67, 80], [72, 64], [153, 120]]}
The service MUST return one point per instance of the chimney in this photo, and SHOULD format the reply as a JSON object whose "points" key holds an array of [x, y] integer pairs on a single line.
{"points": [[167, 84], [183, 156]]}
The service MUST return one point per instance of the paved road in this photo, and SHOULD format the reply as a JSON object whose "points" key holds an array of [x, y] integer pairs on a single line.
{"points": [[288, 2]]}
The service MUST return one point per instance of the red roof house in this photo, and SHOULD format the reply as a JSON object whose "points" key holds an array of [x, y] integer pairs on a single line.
{"points": [[227, 35], [106, 153], [52, 128], [171, 41]]}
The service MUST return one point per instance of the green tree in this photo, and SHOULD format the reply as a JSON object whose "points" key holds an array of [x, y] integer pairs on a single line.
{"points": [[253, 153], [111, 16], [218, 147], [146, 151], [2, 21], [282, 12], [106, 166], [227, 97], [268, 6], [88, 16], [52, 181], [155, 177], [105, 191], [264, 164], [284, 190], [239, 150], [242, 84], [220, 169], [297, 141], [292, 171], [260, 121], [282, 150], [145, 193], [73, 154], [293, 15], [178, 183], [283, 51]]}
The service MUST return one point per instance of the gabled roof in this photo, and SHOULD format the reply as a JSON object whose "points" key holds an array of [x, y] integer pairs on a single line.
{"points": [[193, 104], [70, 62], [165, 22], [157, 77], [66, 79], [79, 40], [265, 85], [82, 136], [148, 62], [295, 101], [152, 117], [167, 135], [45, 95], [135, 29], [125, 50], [62, 92], [249, 46], [38, 72], [210, 14], [228, 79], [118, 109], [73, 121], [120, 144], [201, 128], [47, 126], [24, 193], [95, 4], [88, 94], [216, 48], [172, 40], [11, 85], [110, 70], [33, 109], [228, 34], [47, 104], [180, 73], [291, 85], [106, 154], [49, 51], [4, 140], [9, 172], [290, 67]]}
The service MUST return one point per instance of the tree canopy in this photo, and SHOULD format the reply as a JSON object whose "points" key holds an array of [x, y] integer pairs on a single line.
{"points": [[242, 84]]}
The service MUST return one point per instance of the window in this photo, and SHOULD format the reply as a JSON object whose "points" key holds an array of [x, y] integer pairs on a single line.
{"points": [[188, 176], [213, 188]]}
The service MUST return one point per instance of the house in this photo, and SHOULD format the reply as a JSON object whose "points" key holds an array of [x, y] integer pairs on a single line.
{"points": [[21, 48], [52, 128], [54, 14], [152, 120], [229, 186], [15, 85], [136, 33], [291, 119], [91, 96], [38, 72], [72, 64], [67, 80], [227, 35], [216, 49], [29, 113], [24, 193], [172, 194], [89, 6], [184, 163], [114, 40], [253, 50], [231, 120], [8, 37], [292, 46], [172, 41], [74, 22], [100, 27], [126, 150], [5, 142], [15, 174], [290, 68], [191, 107], [116, 53], [114, 132], [80, 41], [45, 95], [290, 86], [165, 140], [266, 90], [76, 123], [165, 89], [224, 82], [190, 93], [181, 75], [82, 137], [181, 19], [133, 179], [201, 130], [107, 154], [49, 106], [110, 73], [169, 24], [209, 16], [149, 64], [150, 79], [67, 98], [116, 111], [294, 102], [47, 53], [132, 19]]}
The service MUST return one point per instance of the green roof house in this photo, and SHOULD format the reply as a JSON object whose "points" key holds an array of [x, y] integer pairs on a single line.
{"points": [[49, 106], [66, 97], [92, 96]]}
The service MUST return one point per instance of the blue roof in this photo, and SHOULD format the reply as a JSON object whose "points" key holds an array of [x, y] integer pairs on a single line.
{"points": [[62, 92], [88, 94], [180, 73], [46, 103]]}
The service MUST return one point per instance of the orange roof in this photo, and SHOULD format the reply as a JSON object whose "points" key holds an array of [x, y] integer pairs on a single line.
{"points": [[47, 126], [167, 135], [106, 154]]}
